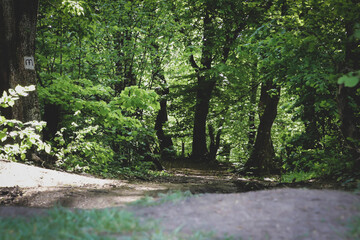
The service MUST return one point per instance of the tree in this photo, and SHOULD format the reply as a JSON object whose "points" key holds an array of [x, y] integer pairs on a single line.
{"points": [[17, 67], [165, 141], [348, 99], [221, 24], [261, 160]]}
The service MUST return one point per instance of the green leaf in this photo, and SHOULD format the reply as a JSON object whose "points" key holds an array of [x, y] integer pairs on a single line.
{"points": [[349, 81], [2, 119], [3, 135]]}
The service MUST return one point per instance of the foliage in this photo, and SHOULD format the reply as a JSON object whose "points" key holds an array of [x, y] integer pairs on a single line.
{"points": [[19, 137], [99, 62], [83, 152], [297, 176], [350, 80], [101, 133], [60, 223]]}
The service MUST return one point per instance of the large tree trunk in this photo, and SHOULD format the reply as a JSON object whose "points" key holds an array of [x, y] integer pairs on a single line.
{"points": [[204, 92], [205, 86], [348, 97], [261, 161], [17, 51]]}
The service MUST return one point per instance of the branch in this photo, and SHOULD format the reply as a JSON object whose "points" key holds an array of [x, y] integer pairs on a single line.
{"points": [[193, 63]]}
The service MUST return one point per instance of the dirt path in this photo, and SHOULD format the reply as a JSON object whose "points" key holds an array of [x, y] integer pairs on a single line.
{"points": [[236, 209], [268, 214]]}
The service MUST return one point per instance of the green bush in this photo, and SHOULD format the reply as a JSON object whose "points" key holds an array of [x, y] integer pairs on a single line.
{"points": [[102, 132], [329, 159]]}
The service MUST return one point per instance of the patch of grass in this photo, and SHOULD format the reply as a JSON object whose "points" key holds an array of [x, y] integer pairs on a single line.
{"points": [[172, 196], [60, 223], [159, 173], [354, 228], [297, 176], [104, 224]]}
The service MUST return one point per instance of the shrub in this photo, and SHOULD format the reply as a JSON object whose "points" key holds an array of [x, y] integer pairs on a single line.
{"points": [[19, 137]]}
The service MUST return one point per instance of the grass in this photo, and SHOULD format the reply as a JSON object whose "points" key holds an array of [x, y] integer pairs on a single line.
{"points": [[297, 176], [354, 228], [163, 198], [353, 225], [61, 223]]}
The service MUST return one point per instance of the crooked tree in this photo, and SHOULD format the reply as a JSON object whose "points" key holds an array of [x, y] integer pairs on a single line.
{"points": [[261, 160]]}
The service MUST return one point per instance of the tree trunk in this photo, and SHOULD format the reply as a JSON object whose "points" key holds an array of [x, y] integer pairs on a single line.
{"points": [[252, 127], [310, 120], [261, 161], [166, 143], [17, 67], [214, 142], [348, 97], [199, 148], [52, 115], [205, 86], [125, 62]]}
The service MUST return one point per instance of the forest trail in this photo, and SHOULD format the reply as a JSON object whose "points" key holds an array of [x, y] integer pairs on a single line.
{"points": [[30, 186], [228, 205]]}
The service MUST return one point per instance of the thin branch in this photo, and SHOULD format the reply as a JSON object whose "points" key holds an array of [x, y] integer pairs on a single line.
{"points": [[193, 63]]}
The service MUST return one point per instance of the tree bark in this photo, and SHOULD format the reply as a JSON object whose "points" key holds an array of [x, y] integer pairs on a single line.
{"points": [[261, 161], [348, 97], [214, 142], [17, 40], [165, 141], [203, 96], [252, 127]]}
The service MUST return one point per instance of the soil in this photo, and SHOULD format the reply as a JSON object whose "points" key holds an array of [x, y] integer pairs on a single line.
{"points": [[224, 203]]}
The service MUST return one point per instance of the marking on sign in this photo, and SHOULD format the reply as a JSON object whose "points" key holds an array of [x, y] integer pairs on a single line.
{"points": [[29, 63]]}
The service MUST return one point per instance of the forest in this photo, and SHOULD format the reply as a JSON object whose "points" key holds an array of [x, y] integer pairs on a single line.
{"points": [[120, 88]]}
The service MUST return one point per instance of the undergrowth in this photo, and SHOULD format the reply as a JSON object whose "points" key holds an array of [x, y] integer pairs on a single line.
{"points": [[297, 176]]}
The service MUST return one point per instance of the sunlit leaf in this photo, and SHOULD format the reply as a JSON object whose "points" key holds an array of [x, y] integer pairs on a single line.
{"points": [[349, 81]]}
